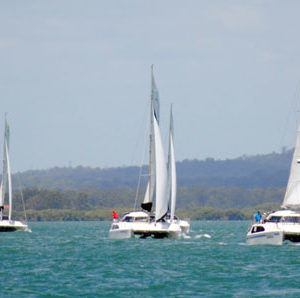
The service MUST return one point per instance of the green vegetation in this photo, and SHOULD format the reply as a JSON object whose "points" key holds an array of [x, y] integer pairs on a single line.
{"points": [[210, 189], [260, 171], [194, 203]]}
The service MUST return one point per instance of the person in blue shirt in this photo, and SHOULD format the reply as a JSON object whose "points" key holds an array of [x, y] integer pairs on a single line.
{"points": [[257, 216]]}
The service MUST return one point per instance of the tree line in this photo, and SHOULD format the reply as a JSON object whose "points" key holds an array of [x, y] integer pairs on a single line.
{"points": [[197, 202]]}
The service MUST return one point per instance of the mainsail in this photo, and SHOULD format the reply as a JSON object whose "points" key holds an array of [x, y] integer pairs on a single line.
{"points": [[155, 97], [6, 175], [172, 183], [292, 195], [154, 114], [161, 207]]}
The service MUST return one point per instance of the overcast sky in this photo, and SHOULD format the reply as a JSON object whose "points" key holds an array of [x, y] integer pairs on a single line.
{"points": [[75, 78]]}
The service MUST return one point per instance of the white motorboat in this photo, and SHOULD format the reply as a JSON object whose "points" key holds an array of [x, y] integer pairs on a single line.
{"points": [[6, 222], [145, 223], [283, 225]]}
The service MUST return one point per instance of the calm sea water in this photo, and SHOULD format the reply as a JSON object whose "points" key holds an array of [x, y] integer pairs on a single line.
{"points": [[69, 259]]}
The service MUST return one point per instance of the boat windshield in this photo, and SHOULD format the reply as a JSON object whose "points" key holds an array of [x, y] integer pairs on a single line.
{"points": [[275, 219], [257, 229], [293, 219], [132, 218]]}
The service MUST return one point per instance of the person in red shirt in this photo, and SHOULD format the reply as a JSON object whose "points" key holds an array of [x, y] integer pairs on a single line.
{"points": [[115, 215]]}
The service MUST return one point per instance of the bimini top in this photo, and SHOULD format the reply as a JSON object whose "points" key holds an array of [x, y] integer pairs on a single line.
{"points": [[135, 216]]}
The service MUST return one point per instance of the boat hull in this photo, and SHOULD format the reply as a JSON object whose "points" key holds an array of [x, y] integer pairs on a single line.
{"points": [[120, 234], [125, 230], [12, 226], [269, 238]]}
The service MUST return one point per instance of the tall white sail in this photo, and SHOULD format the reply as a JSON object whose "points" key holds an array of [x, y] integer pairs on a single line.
{"points": [[154, 109], [161, 207], [9, 183], [292, 195], [155, 97], [5, 166], [172, 183]]}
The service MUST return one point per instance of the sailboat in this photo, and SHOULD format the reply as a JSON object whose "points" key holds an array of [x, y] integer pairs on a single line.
{"points": [[6, 222], [144, 223], [282, 225], [172, 181]]}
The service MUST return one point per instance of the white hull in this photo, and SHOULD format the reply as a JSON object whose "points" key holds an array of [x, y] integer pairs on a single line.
{"points": [[272, 237], [279, 227], [124, 230], [183, 224], [120, 233], [12, 226]]}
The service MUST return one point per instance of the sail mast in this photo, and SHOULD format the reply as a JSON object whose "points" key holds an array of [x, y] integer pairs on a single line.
{"points": [[154, 113], [150, 193]]}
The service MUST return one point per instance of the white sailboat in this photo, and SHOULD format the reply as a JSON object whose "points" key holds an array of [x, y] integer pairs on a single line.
{"points": [[6, 222], [172, 181], [143, 223], [283, 225]]}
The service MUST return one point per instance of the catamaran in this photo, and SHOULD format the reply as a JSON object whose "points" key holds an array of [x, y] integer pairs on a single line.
{"points": [[283, 225], [6, 222], [144, 223]]}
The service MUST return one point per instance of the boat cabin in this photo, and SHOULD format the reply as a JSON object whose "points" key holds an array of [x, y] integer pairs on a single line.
{"points": [[284, 216], [256, 229], [136, 217], [285, 219]]}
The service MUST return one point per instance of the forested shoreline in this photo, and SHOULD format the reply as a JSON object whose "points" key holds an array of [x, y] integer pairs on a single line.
{"points": [[194, 203], [208, 190]]}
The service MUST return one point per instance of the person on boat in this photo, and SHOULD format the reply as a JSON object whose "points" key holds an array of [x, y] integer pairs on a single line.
{"points": [[257, 216], [115, 215]]}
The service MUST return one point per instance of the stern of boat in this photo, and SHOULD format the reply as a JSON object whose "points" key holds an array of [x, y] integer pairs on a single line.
{"points": [[118, 232]]}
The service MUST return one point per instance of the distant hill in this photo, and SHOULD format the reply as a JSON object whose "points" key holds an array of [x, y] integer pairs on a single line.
{"points": [[259, 171], [207, 189]]}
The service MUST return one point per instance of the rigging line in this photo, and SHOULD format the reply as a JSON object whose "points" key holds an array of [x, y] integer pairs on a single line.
{"points": [[141, 169], [140, 133], [293, 108]]}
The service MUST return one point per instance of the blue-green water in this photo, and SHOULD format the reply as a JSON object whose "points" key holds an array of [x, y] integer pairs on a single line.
{"points": [[69, 259]]}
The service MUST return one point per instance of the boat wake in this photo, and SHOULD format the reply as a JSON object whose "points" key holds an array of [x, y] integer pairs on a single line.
{"points": [[202, 236], [222, 243], [185, 236]]}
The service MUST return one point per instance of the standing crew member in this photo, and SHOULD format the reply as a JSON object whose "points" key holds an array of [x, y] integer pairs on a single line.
{"points": [[258, 216], [115, 215]]}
